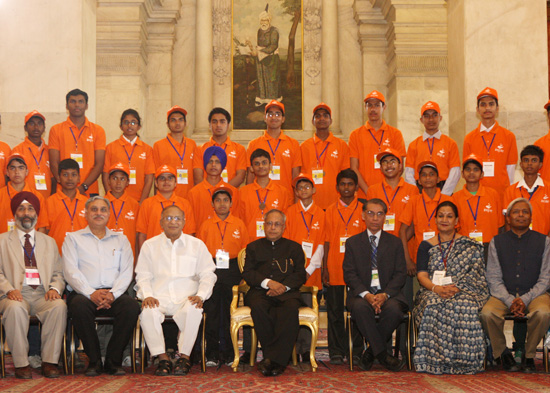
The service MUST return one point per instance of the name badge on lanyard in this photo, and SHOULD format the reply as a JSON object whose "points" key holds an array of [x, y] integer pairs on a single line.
{"points": [[477, 236], [317, 175], [260, 229], [133, 177], [440, 278], [222, 259], [32, 277], [275, 173], [376, 162], [78, 158], [183, 176], [11, 225], [40, 181], [389, 224], [343, 244], [428, 235], [375, 279], [488, 169], [308, 248], [225, 176]]}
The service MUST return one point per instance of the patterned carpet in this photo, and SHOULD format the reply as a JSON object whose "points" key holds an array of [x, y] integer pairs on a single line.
{"points": [[328, 378]]}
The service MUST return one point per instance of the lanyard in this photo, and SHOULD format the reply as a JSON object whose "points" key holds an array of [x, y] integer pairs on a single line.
{"points": [[27, 254], [40, 160], [485, 143], [319, 156], [276, 148], [132, 153], [350, 216], [115, 213], [431, 148], [162, 204], [381, 138], [394, 195], [310, 221], [426, 210], [531, 194], [222, 234], [445, 255], [181, 157], [471, 211], [75, 138], [68, 212]]}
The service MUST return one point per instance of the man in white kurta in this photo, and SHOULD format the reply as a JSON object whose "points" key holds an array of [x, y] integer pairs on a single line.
{"points": [[174, 276]]}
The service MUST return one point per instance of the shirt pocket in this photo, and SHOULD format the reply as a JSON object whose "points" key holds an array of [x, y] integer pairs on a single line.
{"points": [[187, 266]]}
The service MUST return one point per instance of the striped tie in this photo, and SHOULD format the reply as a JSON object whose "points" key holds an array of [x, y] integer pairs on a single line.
{"points": [[373, 260]]}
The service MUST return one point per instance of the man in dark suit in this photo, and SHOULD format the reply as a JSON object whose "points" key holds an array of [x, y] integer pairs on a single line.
{"points": [[375, 271], [274, 270]]}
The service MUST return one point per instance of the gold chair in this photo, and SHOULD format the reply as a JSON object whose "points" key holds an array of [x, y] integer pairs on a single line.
{"points": [[240, 316]]}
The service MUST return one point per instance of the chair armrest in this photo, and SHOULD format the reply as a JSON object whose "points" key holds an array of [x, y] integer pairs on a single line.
{"points": [[237, 290], [313, 290]]}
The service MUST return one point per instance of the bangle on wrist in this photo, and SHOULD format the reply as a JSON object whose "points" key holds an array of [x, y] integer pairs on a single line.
{"points": [[434, 288]]}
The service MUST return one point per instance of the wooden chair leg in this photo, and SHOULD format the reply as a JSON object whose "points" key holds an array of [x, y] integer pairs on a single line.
{"points": [[235, 340], [2, 358], [203, 343], [254, 348], [64, 354], [72, 349], [545, 352], [314, 334], [294, 356]]}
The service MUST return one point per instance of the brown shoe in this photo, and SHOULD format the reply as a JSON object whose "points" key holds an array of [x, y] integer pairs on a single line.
{"points": [[50, 370], [23, 372]]}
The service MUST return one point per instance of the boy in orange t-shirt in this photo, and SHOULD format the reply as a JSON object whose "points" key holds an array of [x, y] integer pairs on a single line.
{"points": [[124, 208], [66, 208], [224, 235], [305, 224], [345, 218]]}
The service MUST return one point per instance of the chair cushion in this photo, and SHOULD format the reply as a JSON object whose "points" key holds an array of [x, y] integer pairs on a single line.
{"points": [[241, 314], [307, 314]]}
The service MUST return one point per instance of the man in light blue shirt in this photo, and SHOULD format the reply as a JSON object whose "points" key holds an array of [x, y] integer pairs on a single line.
{"points": [[98, 266]]}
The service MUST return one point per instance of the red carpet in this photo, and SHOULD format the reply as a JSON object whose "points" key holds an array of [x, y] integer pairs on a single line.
{"points": [[295, 379]]}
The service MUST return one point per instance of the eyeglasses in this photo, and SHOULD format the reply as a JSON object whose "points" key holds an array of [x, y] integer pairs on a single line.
{"points": [[276, 224], [130, 122], [173, 218], [304, 187], [274, 114], [380, 214]]}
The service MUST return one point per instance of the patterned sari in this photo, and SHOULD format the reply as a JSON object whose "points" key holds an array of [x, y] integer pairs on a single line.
{"points": [[450, 336]]}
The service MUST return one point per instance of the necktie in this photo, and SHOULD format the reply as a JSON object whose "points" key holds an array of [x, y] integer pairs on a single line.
{"points": [[373, 260], [30, 260]]}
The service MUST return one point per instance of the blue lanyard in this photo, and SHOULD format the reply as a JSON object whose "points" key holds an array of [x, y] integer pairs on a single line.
{"points": [[485, 143], [394, 195], [381, 138], [426, 210], [75, 139], [310, 221], [120, 211], [68, 212], [40, 160], [349, 219], [471, 211], [181, 157]]}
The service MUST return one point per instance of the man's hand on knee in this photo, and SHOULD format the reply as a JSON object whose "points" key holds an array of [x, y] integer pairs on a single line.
{"points": [[52, 294], [275, 288], [15, 294], [150, 302]]}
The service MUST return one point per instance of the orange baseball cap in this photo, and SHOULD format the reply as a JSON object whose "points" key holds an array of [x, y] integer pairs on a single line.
{"points": [[427, 164], [119, 167], [488, 92], [174, 109], [15, 156], [375, 94], [430, 105], [224, 189], [388, 152], [324, 106], [276, 103], [302, 176], [472, 158], [547, 105], [165, 169], [32, 114]]}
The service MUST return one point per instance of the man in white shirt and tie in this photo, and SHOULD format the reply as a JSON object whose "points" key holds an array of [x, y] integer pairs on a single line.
{"points": [[33, 290], [175, 274], [98, 266]]}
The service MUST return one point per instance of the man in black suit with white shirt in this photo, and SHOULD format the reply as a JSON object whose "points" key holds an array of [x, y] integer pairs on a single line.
{"points": [[375, 271]]}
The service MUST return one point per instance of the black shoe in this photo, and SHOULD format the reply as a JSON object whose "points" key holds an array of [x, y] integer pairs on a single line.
{"points": [[245, 358], [508, 362], [182, 366], [337, 360], [391, 363], [265, 367], [277, 369], [528, 365], [305, 357], [94, 369], [366, 361], [113, 369]]}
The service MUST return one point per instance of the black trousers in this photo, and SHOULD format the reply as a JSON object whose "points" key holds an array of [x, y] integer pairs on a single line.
{"points": [[337, 337], [217, 311], [276, 323], [83, 311], [376, 334]]}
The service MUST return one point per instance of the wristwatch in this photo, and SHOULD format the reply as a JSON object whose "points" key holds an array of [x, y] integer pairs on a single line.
{"points": [[85, 186]]}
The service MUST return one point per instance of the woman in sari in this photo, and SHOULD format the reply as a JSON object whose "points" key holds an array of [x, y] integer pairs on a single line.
{"points": [[453, 291]]}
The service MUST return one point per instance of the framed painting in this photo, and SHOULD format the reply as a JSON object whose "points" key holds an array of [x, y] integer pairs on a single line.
{"points": [[267, 61]]}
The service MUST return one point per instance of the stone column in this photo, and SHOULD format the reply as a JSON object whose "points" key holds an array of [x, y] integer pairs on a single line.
{"points": [[330, 62], [204, 62], [502, 45]]}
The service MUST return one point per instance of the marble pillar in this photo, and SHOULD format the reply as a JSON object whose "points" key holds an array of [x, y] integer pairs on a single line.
{"points": [[330, 62], [203, 65]]}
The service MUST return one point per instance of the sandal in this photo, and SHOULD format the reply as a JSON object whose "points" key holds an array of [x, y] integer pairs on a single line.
{"points": [[182, 366], [164, 368]]}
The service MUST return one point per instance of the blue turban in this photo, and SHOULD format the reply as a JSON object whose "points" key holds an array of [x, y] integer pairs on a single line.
{"points": [[214, 151]]}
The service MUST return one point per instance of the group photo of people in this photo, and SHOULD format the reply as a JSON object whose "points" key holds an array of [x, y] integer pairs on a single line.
{"points": [[383, 231]]}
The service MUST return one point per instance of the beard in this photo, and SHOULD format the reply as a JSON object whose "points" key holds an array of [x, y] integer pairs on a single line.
{"points": [[26, 222]]}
